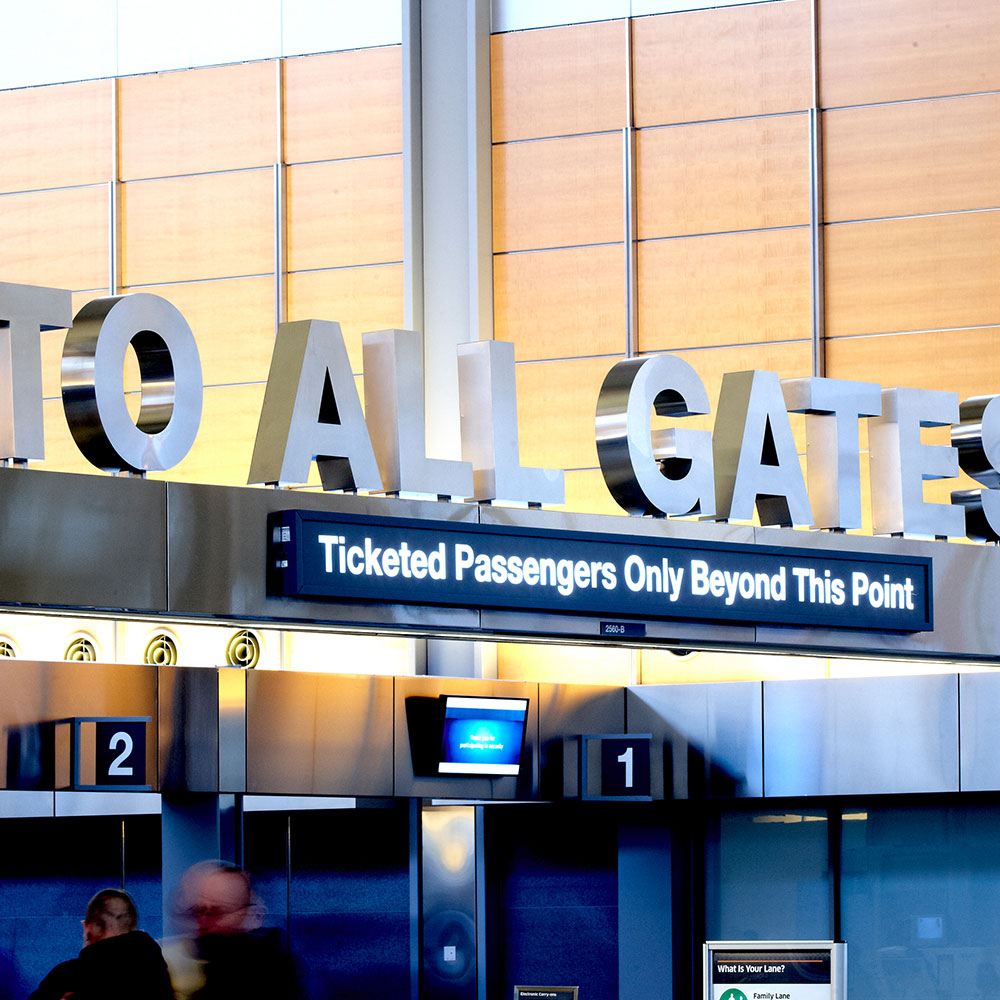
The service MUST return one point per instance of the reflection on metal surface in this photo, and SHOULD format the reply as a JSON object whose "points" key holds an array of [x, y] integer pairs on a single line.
{"points": [[93, 387], [394, 403], [232, 730], [188, 703], [489, 429], [710, 734], [25, 311], [318, 734], [833, 449], [667, 471], [861, 736], [756, 461], [40, 697], [449, 901], [979, 705], [312, 411], [977, 438], [900, 463], [565, 711]]}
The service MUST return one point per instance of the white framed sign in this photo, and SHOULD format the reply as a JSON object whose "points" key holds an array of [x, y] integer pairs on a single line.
{"points": [[775, 970]]}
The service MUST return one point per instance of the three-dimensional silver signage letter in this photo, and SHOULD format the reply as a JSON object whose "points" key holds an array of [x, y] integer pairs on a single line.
{"points": [[756, 461], [649, 471], [311, 411], [833, 449], [93, 383], [900, 463], [394, 404], [25, 311], [488, 400], [977, 438]]}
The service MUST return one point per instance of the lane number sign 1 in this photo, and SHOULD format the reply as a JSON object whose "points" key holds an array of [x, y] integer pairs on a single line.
{"points": [[615, 766]]}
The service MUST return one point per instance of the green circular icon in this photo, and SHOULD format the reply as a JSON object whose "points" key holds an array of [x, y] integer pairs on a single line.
{"points": [[733, 994]]}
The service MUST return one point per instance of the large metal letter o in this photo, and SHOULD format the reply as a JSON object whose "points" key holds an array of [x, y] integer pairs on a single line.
{"points": [[93, 383]]}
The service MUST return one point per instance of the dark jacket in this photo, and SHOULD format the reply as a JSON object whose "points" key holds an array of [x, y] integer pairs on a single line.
{"points": [[251, 966], [116, 968]]}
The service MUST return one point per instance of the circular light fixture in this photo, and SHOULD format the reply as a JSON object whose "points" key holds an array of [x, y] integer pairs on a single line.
{"points": [[243, 649], [81, 648], [161, 650]]}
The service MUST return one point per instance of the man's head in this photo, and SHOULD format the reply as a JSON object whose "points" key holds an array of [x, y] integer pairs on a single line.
{"points": [[110, 913], [218, 899]]}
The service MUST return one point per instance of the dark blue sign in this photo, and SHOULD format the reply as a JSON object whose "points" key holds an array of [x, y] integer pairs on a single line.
{"points": [[320, 555]]}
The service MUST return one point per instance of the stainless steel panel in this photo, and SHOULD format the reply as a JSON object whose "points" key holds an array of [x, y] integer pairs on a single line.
{"points": [[979, 723], [232, 729], [33, 756], [711, 737], [19, 805], [565, 713], [82, 541], [189, 729], [107, 804], [217, 554], [966, 591], [415, 705], [319, 734], [448, 902], [857, 736]]}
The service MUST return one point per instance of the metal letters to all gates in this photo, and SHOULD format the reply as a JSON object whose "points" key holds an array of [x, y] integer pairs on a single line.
{"points": [[312, 412]]}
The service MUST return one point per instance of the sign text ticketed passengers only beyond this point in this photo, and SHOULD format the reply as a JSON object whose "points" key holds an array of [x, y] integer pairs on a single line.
{"points": [[392, 560]]}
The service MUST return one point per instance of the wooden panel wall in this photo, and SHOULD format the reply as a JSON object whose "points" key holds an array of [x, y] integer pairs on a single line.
{"points": [[198, 206], [731, 62], [198, 121], [56, 136], [897, 50]]}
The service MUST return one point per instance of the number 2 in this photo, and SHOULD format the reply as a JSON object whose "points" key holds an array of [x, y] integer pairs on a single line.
{"points": [[123, 739], [626, 759]]}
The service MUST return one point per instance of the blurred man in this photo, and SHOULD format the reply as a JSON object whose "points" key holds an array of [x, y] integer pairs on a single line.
{"points": [[226, 954]]}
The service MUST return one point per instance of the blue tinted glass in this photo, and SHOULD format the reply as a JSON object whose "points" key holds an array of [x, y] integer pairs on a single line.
{"points": [[921, 902], [767, 876]]}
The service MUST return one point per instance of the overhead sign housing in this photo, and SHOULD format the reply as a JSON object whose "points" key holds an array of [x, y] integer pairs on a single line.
{"points": [[317, 554]]}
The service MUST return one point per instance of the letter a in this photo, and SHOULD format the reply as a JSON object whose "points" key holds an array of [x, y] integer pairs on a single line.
{"points": [[312, 412]]}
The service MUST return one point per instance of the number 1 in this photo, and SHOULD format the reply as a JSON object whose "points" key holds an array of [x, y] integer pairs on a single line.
{"points": [[626, 759]]}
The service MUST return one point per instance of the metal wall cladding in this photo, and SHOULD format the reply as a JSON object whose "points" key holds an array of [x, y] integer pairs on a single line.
{"points": [[189, 729], [37, 700], [217, 551], [710, 734], [418, 740], [82, 541], [979, 721], [861, 736], [319, 734], [565, 713]]}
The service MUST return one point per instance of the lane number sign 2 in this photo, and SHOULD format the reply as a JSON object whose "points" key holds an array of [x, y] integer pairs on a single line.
{"points": [[121, 752]]}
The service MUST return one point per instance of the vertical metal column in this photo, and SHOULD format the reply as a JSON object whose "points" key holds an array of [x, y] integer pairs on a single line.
{"points": [[447, 171], [816, 206], [645, 913], [628, 191], [280, 208], [114, 194], [451, 945]]}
